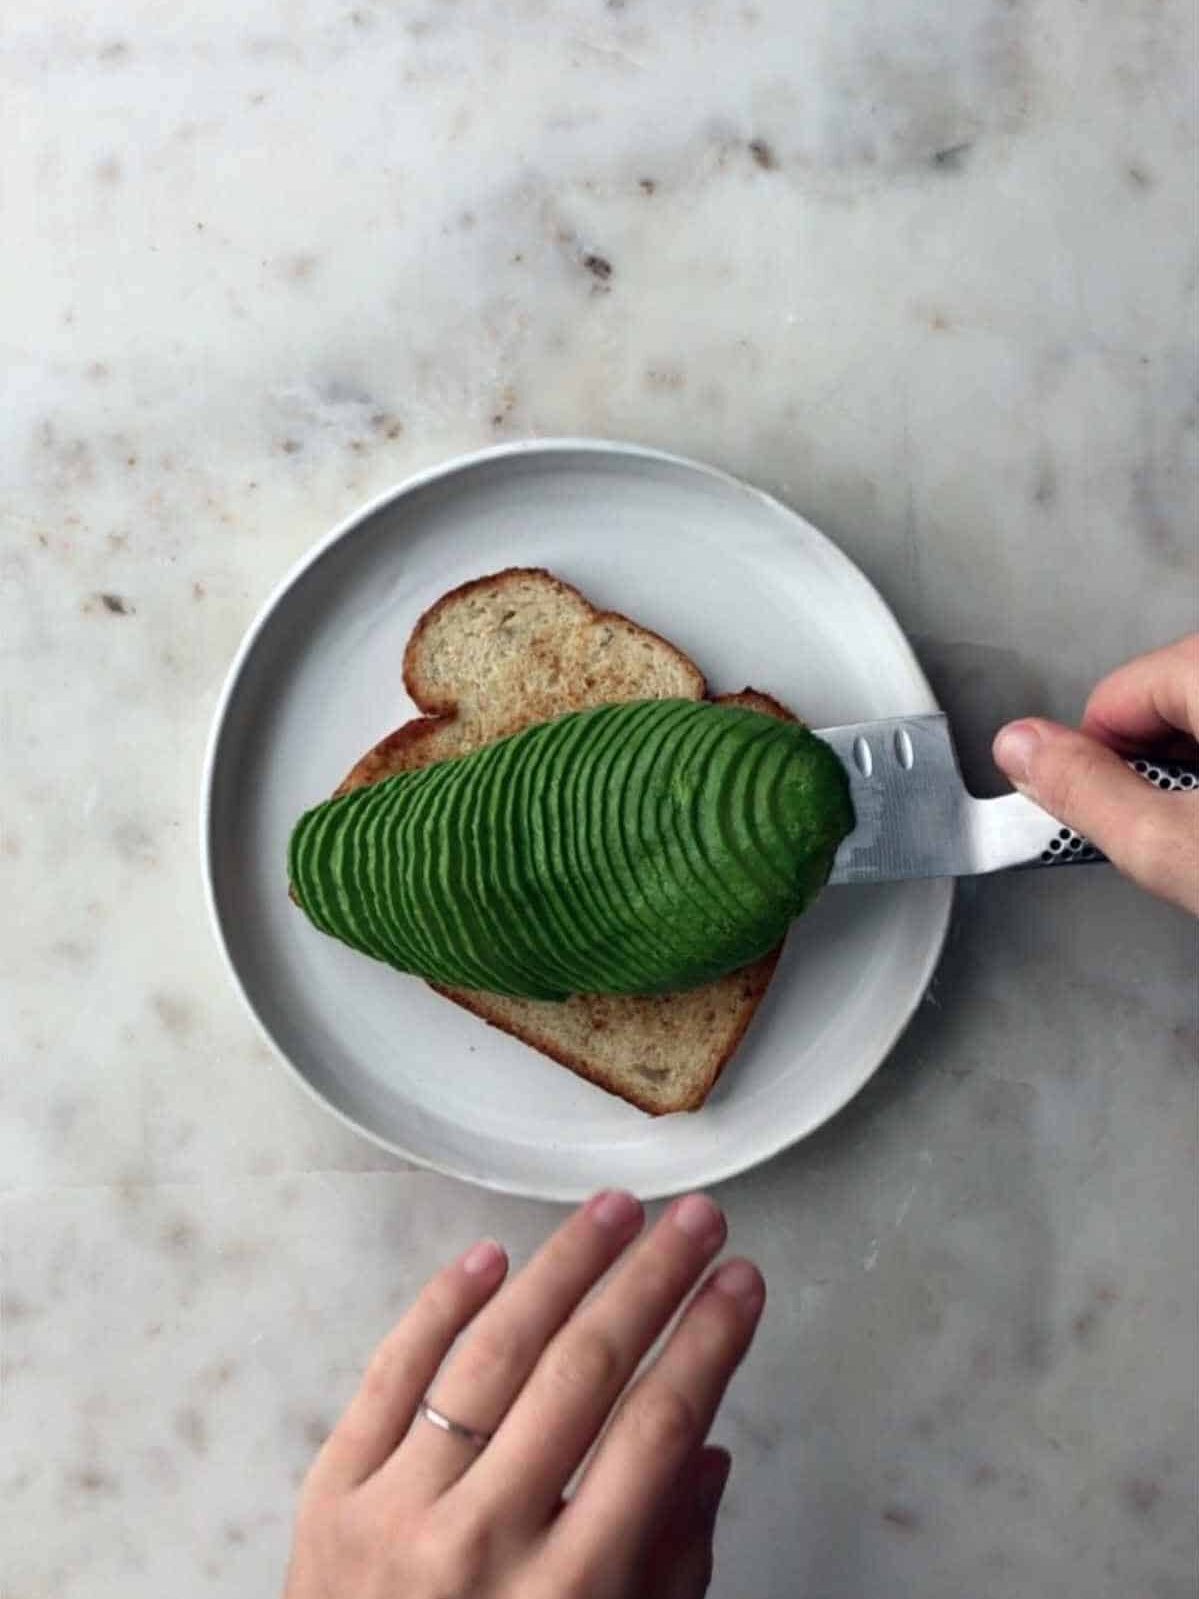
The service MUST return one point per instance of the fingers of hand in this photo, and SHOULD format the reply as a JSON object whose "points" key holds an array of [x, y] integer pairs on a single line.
{"points": [[403, 1366], [487, 1372], [663, 1419], [568, 1397], [1152, 837], [1150, 700]]}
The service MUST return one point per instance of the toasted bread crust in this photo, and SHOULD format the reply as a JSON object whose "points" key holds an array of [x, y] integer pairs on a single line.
{"points": [[432, 704], [753, 982], [577, 1032]]}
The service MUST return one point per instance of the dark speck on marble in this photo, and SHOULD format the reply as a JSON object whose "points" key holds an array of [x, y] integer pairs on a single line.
{"points": [[218, 1375], [763, 155], [180, 1238], [647, 186], [134, 843], [14, 1308], [952, 156], [92, 1479], [1086, 1323], [71, 951], [1150, 515], [62, 1116], [1140, 1495], [115, 604], [192, 1429], [760, 1432], [175, 1013], [1044, 489], [983, 1363], [1034, 1348], [598, 265], [505, 405], [299, 268], [902, 1517]]}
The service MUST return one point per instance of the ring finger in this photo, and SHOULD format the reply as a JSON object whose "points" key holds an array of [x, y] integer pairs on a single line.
{"points": [[505, 1342]]}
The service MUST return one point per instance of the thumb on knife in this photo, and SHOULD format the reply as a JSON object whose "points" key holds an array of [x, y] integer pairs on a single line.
{"points": [[1153, 838]]}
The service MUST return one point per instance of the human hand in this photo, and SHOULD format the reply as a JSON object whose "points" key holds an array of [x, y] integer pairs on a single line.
{"points": [[395, 1507], [1151, 704]]}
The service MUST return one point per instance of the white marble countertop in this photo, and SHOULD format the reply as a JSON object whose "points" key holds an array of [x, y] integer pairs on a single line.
{"points": [[928, 272]]}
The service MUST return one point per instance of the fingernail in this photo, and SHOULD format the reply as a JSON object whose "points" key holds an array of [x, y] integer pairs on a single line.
{"points": [[713, 1483], [740, 1281], [699, 1218], [1014, 748], [614, 1209], [483, 1258]]}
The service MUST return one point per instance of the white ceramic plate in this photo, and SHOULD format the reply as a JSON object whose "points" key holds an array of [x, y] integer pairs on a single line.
{"points": [[741, 583]]}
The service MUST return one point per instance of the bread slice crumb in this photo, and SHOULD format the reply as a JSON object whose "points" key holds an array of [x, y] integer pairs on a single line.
{"points": [[520, 647]]}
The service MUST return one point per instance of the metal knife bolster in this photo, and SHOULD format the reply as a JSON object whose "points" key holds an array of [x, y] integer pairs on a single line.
{"points": [[916, 818]]}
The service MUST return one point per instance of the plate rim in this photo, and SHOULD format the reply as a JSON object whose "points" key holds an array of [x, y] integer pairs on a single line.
{"points": [[721, 1171]]}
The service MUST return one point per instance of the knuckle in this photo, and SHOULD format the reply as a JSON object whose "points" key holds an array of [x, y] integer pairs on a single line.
{"points": [[663, 1419], [440, 1308], [1061, 774], [654, 1284], [454, 1557], [1151, 853], [717, 1328], [584, 1360], [391, 1368], [570, 1580], [394, 1366], [344, 1538], [494, 1351]]}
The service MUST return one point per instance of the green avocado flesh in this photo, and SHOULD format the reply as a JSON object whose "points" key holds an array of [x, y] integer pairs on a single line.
{"points": [[631, 849]]}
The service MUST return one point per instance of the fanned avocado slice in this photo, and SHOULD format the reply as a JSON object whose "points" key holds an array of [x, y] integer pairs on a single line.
{"points": [[631, 849]]}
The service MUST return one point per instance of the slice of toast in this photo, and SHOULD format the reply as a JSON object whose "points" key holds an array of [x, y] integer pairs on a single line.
{"points": [[519, 647]]}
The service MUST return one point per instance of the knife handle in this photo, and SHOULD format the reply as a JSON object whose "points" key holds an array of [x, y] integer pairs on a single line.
{"points": [[1067, 848]]}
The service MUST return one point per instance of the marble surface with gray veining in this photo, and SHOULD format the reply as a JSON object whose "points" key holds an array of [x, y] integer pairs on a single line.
{"points": [[927, 272]]}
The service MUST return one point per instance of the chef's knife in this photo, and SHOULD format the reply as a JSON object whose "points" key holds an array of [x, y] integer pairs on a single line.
{"points": [[916, 818]]}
